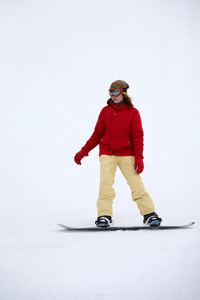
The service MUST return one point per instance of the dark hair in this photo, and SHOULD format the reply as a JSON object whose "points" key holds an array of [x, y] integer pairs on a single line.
{"points": [[126, 100]]}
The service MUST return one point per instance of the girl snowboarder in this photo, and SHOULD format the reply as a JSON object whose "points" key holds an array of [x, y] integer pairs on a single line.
{"points": [[119, 134]]}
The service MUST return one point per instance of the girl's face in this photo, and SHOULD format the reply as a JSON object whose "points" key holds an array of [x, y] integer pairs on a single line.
{"points": [[117, 99]]}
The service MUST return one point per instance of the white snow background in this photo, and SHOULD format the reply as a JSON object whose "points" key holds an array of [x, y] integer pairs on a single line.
{"points": [[57, 60]]}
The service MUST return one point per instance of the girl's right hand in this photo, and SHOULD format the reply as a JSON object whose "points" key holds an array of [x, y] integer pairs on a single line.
{"points": [[79, 156]]}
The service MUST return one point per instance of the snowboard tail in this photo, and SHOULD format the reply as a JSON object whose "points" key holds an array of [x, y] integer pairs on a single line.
{"points": [[124, 228]]}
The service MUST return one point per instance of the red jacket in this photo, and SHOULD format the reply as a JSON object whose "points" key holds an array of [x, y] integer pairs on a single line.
{"points": [[118, 132]]}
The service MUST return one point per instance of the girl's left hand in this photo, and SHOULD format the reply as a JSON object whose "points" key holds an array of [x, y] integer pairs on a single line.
{"points": [[139, 164]]}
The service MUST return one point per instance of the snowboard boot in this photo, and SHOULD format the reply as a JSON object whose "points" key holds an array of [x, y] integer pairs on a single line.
{"points": [[152, 220], [103, 221]]}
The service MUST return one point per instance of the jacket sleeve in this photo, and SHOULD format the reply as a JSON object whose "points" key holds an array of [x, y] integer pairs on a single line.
{"points": [[97, 134], [137, 134]]}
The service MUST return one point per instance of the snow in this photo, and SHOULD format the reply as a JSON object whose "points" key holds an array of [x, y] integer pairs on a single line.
{"points": [[57, 61]]}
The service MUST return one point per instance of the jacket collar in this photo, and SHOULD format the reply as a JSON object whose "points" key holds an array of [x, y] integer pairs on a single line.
{"points": [[119, 106]]}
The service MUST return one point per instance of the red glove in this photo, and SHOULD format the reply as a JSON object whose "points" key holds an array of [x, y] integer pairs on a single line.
{"points": [[139, 164], [79, 156]]}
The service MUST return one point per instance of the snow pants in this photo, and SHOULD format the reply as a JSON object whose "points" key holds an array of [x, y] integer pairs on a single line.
{"points": [[108, 166]]}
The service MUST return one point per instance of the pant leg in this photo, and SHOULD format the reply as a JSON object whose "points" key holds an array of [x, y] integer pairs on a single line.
{"points": [[139, 194], [108, 165]]}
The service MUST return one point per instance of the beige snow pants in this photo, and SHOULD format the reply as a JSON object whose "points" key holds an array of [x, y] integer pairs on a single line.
{"points": [[108, 166]]}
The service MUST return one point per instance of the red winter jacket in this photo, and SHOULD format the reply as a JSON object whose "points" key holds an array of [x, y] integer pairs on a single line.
{"points": [[118, 132]]}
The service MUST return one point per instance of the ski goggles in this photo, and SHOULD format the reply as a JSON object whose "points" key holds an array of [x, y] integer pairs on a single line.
{"points": [[115, 92]]}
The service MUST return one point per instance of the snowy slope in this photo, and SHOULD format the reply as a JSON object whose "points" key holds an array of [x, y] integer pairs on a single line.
{"points": [[57, 61]]}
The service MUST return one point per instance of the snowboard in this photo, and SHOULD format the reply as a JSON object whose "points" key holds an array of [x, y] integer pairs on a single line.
{"points": [[124, 228]]}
